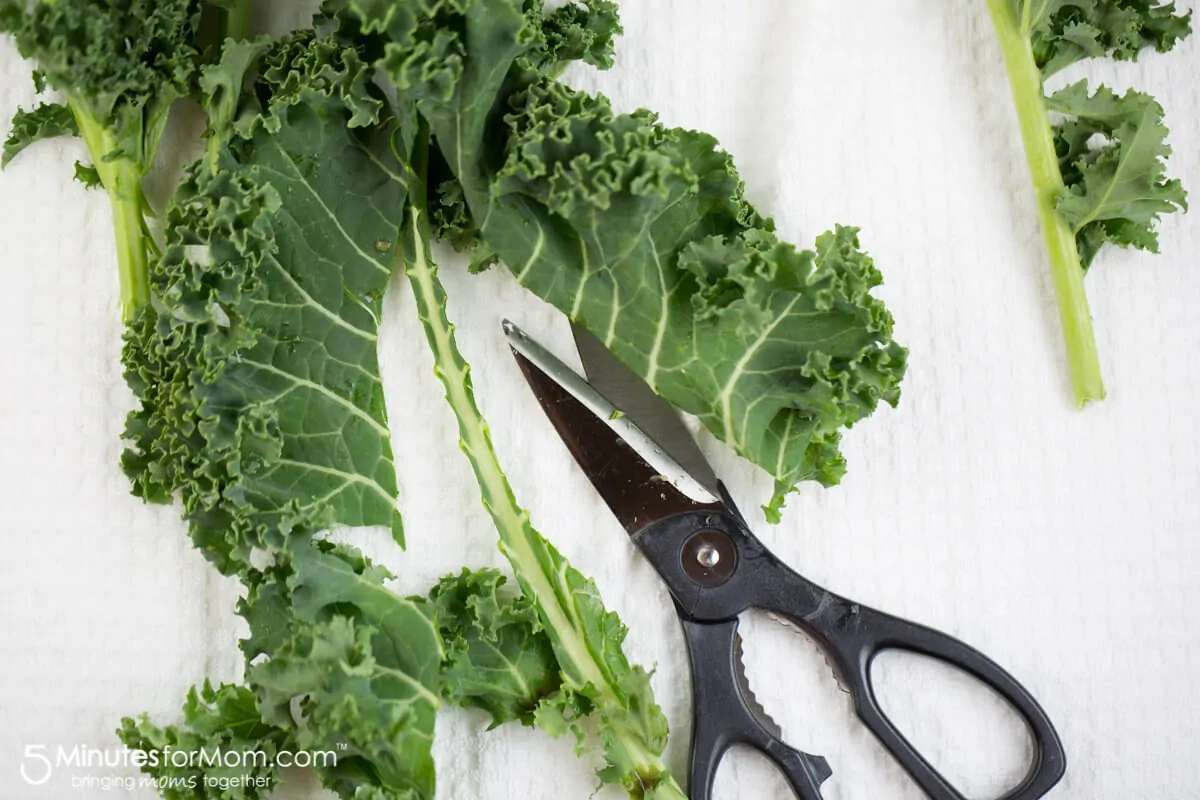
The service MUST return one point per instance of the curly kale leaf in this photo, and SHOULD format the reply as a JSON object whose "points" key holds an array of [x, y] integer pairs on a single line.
{"points": [[342, 669], [120, 66], [324, 628], [498, 658], [1117, 189], [1087, 193], [641, 233], [261, 402], [219, 726], [1062, 32], [644, 236], [342, 663], [450, 216], [46, 121], [575, 32]]}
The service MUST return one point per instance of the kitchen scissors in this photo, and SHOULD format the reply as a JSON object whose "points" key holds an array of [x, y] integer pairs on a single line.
{"points": [[633, 447]]}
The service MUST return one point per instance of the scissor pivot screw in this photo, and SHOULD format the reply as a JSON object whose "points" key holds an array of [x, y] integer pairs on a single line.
{"points": [[709, 557]]}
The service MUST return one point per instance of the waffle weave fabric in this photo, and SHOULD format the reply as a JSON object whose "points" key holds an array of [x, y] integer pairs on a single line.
{"points": [[1062, 543]]}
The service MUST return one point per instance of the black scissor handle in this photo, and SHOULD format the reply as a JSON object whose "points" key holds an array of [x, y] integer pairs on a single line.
{"points": [[853, 635], [748, 575], [722, 718]]}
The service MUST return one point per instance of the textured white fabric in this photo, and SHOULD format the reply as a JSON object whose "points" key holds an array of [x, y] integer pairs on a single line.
{"points": [[1062, 543]]}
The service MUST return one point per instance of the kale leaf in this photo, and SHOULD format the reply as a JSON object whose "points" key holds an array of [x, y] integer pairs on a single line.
{"points": [[219, 724], [120, 65], [342, 663], [641, 233], [498, 657], [261, 404], [1098, 173], [1115, 190], [261, 401], [46, 121], [1063, 32]]}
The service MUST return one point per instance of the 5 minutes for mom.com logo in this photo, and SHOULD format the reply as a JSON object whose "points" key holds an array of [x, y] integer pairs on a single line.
{"points": [[110, 768]]}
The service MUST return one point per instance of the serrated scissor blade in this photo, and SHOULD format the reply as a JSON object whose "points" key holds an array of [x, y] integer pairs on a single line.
{"points": [[760, 713], [797, 630], [654, 415], [818, 766]]}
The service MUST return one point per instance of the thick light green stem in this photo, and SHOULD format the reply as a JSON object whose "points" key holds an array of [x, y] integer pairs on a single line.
{"points": [[122, 180], [512, 521], [1065, 266], [540, 570], [528, 552], [237, 19]]}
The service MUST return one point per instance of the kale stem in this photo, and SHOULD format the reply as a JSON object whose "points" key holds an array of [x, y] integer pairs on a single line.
{"points": [[540, 570], [236, 19], [512, 521], [132, 255], [1065, 267], [122, 180]]}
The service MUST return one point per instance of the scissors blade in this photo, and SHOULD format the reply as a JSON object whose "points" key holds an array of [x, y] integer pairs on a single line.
{"points": [[654, 415], [638, 481]]}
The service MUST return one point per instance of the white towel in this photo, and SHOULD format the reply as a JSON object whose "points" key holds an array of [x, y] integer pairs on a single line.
{"points": [[1062, 543]]}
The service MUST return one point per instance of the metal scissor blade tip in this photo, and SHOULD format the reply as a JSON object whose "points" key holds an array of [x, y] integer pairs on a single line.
{"points": [[640, 482], [512, 331]]}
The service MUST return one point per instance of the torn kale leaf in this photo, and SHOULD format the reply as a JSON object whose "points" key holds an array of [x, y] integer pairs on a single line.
{"points": [[47, 121], [1116, 189]]}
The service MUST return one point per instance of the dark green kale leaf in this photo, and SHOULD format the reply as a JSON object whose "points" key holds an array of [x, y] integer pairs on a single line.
{"points": [[1116, 189], [450, 217], [120, 66], [1065, 31], [341, 668], [1088, 193], [257, 372], [46, 121], [641, 233], [345, 665], [261, 404], [575, 32], [498, 658], [219, 726]]}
